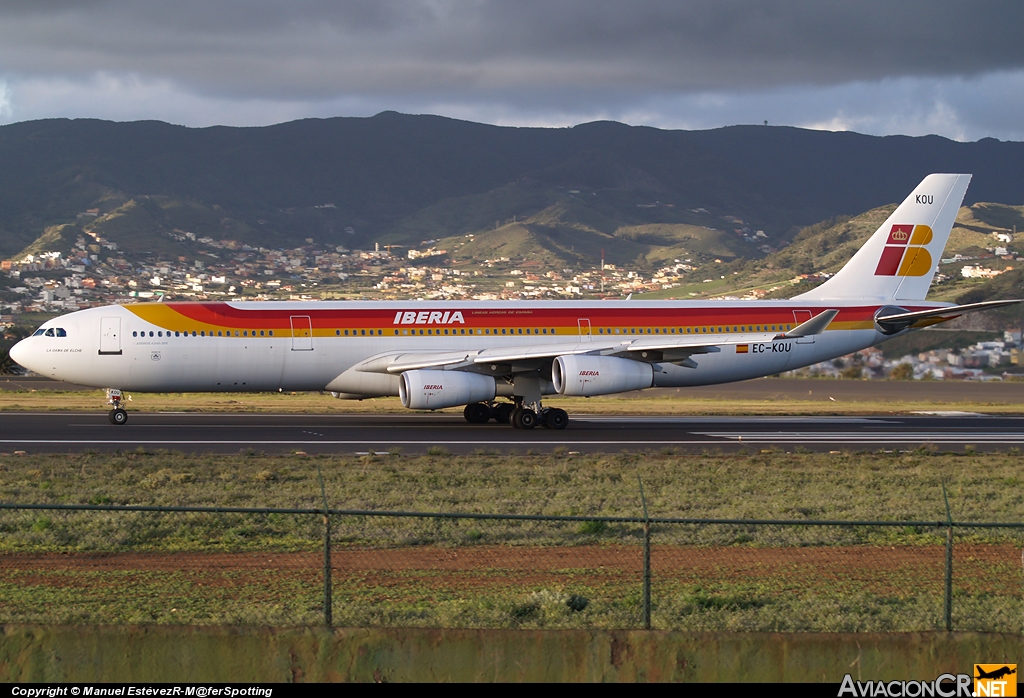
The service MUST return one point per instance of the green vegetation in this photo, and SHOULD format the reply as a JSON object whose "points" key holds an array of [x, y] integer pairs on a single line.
{"points": [[783, 401], [847, 486], [114, 567]]}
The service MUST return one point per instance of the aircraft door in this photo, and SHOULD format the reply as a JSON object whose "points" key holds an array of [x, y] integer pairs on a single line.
{"points": [[584, 325], [800, 317], [110, 335], [302, 333]]}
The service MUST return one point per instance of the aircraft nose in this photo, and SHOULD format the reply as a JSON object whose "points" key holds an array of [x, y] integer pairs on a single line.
{"points": [[19, 353]]}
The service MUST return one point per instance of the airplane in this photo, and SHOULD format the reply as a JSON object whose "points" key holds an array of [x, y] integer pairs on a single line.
{"points": [[499, 359]]}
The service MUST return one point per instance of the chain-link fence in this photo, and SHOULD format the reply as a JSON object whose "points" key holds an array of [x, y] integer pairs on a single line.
{"points": [[203, 565]]}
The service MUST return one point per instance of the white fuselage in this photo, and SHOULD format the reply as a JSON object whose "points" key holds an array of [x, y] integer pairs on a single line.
{"points": [[310, 346]]}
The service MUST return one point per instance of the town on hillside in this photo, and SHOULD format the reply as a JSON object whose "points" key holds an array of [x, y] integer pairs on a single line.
{"points": [[96, 273]]}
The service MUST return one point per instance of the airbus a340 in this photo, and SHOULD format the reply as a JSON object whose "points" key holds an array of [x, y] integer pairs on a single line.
{"points": [[500, 359]]}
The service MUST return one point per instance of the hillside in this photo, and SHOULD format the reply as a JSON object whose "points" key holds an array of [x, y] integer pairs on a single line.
{"points": [[402, 179]]}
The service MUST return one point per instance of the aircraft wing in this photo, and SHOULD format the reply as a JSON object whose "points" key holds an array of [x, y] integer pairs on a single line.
{"points": [[517, 359]]}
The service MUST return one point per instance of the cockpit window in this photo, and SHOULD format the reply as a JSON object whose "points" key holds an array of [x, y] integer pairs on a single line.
{"points": [[60, 332], [49, 332], [38, 332]]}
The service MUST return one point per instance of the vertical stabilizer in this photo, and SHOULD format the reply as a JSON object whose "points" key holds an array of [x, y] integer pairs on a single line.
{"points": [[898, 262]]}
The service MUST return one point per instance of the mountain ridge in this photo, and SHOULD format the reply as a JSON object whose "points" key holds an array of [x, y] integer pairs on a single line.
{"points": [[396, 178]]}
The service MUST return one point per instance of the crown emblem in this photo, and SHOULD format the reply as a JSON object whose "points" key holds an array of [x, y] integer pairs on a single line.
{"points": [[900, 235]]}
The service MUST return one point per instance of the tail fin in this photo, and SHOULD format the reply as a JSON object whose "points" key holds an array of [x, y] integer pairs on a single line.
{"points": [[898, 261]]}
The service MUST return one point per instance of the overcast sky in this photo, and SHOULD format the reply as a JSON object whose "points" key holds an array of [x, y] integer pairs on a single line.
{"points": [[954, 68]]}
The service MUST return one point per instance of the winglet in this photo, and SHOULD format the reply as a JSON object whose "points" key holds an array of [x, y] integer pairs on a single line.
{"points": [[816, 325]]}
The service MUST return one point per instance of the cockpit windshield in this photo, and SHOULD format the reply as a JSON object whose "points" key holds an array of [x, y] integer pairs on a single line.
{"points": [[50, 332]]}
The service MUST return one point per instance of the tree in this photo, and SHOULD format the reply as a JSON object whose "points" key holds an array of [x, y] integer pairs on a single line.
{"points": [[851, 373], [11, 337], [903, 372]]}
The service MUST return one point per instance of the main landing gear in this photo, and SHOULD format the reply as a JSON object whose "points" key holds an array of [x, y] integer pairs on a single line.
{"points": [[117, 415], [518, 415]]}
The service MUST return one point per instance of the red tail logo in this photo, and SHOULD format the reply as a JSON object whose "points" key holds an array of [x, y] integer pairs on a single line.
{"points": [[904, 253]]}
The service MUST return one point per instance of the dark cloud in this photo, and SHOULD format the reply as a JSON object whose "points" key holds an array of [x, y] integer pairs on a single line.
{"points": [[877, 66], [315, 49]]}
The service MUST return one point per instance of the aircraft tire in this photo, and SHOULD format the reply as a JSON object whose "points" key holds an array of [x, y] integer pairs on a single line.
{"points": [[118, 416], [556, 418], [525, 419], [477, 413], [503, 412]]}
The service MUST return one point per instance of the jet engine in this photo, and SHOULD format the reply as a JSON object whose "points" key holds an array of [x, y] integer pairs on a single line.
{"points": [[432, 390], [599, 375]]}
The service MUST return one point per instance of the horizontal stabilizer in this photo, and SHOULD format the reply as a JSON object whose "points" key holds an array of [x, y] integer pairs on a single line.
{"points": [[889, 320]]}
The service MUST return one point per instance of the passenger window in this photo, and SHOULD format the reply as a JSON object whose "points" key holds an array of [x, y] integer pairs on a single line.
{"points": [[271, 333], [337, 333], [134, 334], [261, 332]]}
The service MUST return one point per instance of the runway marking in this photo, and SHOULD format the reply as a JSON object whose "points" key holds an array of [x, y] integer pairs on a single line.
{"points": [[949, 413], [654, 419], [432, 442], [939, 437], [714, 439]]}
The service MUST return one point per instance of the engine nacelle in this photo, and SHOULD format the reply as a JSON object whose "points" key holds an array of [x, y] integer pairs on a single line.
{"points": [[599, 375], [432, 390]]}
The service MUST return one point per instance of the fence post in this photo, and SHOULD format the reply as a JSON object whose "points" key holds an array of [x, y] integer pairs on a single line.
{"points": [[647, 558], [328, 610], [949, 563]]}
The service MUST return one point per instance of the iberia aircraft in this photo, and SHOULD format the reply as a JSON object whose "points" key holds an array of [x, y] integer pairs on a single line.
{"points": [[500, 359]]}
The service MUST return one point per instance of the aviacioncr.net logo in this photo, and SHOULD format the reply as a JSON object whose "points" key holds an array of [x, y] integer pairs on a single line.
{"points": [[904, 253]]}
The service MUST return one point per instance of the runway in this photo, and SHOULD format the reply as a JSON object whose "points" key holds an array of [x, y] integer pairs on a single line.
{"points": [[57, 432]]}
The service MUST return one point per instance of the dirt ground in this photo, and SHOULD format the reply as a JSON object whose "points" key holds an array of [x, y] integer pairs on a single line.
{"points": [[839, 559]]}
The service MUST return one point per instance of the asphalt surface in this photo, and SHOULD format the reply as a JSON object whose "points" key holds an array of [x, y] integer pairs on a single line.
{"points": [[61, 432]]}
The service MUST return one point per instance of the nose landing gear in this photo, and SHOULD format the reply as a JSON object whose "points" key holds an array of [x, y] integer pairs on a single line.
{"points": [[117, 415]]}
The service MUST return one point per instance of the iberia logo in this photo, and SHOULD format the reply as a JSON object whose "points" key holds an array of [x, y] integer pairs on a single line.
{"points": [[995, 680], [904, 253]]}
